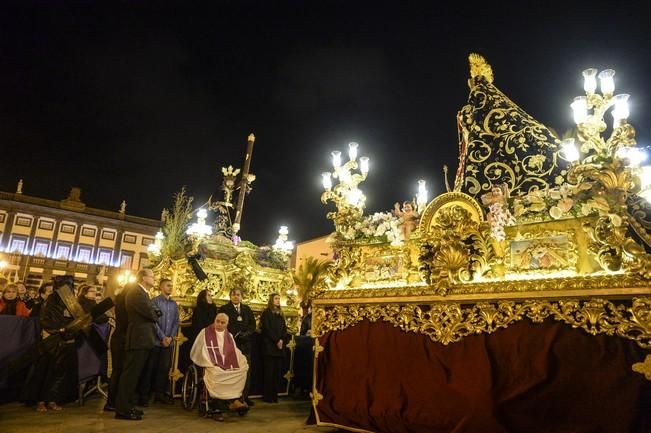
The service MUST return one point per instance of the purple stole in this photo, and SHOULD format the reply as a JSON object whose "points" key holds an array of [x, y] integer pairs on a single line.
{"points": [[214, 351]]}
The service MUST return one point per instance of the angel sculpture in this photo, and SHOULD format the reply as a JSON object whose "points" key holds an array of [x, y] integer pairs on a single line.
{"points": [[499, 215], [407, 218]]}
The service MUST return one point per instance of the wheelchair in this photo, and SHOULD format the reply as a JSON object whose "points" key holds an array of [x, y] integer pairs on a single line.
{"points": [[195, 393]]}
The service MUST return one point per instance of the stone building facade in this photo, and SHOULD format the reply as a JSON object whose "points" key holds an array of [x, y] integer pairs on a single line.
{"points": [[41, 238]]}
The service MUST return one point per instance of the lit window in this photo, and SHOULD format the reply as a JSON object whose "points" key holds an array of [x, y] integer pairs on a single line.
{"points": [[83, 255], [126, 260], [63, 252], [17, 245], [41, 248], [104, 257]]}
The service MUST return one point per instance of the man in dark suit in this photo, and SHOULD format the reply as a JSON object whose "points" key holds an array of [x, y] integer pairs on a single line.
{"points": [[139, 341], [241, 324], [117, 348]]}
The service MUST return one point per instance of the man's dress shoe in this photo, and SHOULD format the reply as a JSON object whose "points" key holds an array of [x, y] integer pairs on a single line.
{"points": [[131, 416]]}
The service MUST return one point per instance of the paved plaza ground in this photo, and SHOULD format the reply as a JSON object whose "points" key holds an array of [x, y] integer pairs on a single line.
{"points": [[288, 416]]}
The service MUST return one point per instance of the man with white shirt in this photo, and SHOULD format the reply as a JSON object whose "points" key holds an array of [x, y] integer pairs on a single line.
{"points": [[225, 366], [140, 340]]}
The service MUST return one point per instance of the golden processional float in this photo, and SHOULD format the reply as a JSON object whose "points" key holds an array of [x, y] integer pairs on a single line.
{"points": [[536, 232], [198, 256]]}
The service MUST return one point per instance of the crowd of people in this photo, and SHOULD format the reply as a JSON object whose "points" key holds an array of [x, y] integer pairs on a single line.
{"points": [[141, 346]]}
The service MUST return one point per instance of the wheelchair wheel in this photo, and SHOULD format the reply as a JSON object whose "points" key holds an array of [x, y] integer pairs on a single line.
{"points": [[190, 388]]}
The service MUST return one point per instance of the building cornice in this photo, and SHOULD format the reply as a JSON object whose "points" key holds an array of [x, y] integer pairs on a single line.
{"points": [[54, 209]]}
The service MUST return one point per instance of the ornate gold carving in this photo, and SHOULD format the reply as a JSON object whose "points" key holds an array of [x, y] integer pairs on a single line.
{"points": [[444, 200], [317, 347], [613, 182], [450, 322], [643, 367], [231, 271], [346, 268], [316, 396], [585, 286], [455, 245], [480, 67]]}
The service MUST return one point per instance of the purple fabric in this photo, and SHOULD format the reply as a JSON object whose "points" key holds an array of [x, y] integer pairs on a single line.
{"points": [[90, 363], [17, 335], [215, 352]]}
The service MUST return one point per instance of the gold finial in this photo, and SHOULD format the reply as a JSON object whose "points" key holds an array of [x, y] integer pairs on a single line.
{"points": [[251, 137], [480, 67]]}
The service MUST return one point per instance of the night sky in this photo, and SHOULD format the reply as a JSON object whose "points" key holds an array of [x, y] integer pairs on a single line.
{"points": [[133, 100]]}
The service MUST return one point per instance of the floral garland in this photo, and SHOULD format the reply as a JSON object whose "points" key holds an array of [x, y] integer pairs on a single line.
{"points": [[566, 201], [499, 217]]}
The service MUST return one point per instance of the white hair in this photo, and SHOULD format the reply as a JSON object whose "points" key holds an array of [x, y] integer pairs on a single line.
{"points": [[224, 315]]}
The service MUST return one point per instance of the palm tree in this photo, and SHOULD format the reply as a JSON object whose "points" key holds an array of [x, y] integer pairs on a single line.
{"points": [[309, 273]]}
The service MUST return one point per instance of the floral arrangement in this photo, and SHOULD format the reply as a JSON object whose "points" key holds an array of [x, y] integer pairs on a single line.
{"points": [[381, 227], [267, 256], [565, 201]]}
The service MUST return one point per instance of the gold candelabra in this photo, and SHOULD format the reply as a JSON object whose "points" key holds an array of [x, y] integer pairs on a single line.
{"points": [[346, 195], [612, 166]]}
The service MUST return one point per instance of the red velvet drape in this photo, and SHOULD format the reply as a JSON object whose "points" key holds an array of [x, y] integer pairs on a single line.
{"points": [[528, 378]]}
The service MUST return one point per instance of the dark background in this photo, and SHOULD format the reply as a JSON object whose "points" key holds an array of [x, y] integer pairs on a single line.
{"points": [[133, 100]]}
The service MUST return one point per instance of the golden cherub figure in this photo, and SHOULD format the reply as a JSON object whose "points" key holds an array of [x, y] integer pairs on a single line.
{"points": [[408, 218]]}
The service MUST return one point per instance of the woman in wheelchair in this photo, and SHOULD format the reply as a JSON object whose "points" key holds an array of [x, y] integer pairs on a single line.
{"points": [[224, 367]]}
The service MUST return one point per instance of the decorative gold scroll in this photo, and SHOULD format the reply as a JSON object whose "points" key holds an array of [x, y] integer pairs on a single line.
{"points": [[449, 322]]}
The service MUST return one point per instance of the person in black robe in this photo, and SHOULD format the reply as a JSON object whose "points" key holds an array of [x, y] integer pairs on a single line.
{"points": [[274, 336], [203, 315], [43, 293], [306, 323], [88, 300], [36, 373], [60, 382]]}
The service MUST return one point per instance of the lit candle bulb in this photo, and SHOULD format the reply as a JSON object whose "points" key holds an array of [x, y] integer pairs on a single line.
{"points": [[421, 198], [590, 80], [580, 109], [336, 159], [352, 150], [570, 151], [326, 178], [353, 196], [620, 112], [363, 165], [645, 177], [607, 81]]}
